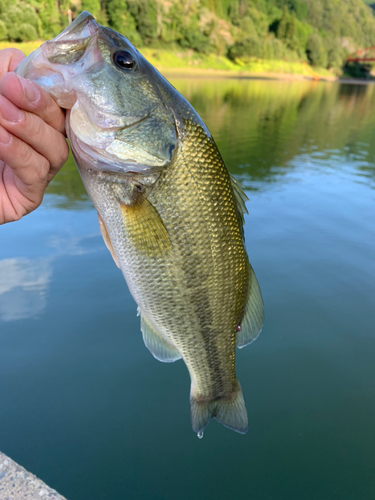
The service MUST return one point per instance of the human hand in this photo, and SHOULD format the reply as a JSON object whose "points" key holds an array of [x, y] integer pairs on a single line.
{"points": [[32, 142]]}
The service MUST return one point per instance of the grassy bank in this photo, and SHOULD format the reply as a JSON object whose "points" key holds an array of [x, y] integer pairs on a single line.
{"points": [[191, 62]]}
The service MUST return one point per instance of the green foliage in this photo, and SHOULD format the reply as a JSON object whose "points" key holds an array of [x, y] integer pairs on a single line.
{"points": [[5, 4], [3, 31], [322, 32], [286, 29], [193, 39], [144, 14], [358, 70], [49, 17], [120, 19], [246, 48], [336, 54], [21, 21], [92, 6], [298, 7], [316, 51], [27, 33]]}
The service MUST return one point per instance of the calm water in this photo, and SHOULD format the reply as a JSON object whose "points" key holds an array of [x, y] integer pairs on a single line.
{"points": [[86, 407]]}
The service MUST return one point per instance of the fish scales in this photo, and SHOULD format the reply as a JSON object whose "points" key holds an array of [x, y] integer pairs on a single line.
{"points": [[206, 279], [169, 212]]}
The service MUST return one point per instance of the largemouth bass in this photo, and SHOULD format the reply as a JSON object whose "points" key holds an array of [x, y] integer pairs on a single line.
{"points": [[169, 212]]}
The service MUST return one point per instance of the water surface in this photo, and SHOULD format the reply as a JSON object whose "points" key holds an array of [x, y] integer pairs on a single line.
{"points": [[86, 407]]}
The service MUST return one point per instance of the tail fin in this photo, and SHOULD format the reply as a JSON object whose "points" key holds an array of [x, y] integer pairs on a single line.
{"points": [[229, 411]]}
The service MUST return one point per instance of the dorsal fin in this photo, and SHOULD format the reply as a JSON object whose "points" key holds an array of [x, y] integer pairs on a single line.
{"points": [[159, 348], [240, 198], [252, 322]]}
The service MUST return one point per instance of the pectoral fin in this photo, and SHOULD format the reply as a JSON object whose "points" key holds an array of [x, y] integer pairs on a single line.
{"points": [[159, 348], [145, 227], [107, 241], [252, 322]]}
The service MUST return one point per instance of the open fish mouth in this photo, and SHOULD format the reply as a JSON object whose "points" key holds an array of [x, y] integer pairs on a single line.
{"points": [[53, 64]]}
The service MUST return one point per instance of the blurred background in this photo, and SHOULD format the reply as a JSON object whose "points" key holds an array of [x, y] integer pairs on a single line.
{"points": [[307, 37]]}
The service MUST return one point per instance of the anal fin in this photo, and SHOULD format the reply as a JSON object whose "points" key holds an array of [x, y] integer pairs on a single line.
{"points": [[107, 241], [252, 322], [159, 348]]}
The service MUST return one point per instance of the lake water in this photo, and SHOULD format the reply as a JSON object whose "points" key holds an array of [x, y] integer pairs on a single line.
{"points": [[86, 407]]}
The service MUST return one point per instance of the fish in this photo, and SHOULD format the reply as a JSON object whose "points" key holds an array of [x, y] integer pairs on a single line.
{"points": [[169, 212]]}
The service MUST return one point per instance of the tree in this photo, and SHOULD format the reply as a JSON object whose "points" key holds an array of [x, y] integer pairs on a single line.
{"points": [[316, 51], [3, 31], [248, 47], [22, 22]]}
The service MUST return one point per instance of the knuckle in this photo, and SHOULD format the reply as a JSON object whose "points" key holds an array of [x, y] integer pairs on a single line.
{"points": [[61, 152], [27, 157], [36, 163], [43, 170], [36, 126], [64, 153]]}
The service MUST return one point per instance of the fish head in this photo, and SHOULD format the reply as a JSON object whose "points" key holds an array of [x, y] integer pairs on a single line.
{"points": [[122, 115]]}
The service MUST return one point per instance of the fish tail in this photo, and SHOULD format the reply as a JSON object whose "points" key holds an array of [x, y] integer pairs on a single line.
{"points": [[229, 411]]}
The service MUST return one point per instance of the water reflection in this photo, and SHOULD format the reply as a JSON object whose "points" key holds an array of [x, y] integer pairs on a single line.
{"points": [[269, 124], [23, 287], [24, 282]]}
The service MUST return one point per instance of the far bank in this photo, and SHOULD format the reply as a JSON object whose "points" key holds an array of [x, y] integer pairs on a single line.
{"points": [[190, 63]]}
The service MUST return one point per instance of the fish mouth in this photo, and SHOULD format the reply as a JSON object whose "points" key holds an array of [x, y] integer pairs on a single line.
{"points": [[70, 45], [66, 48], [83, 26]]}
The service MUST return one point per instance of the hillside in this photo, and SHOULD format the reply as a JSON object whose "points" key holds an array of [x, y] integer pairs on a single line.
{"points": [[320, 32]]}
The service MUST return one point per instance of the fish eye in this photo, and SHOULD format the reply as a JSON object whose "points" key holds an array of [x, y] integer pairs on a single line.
{"points": [[123, 59]]}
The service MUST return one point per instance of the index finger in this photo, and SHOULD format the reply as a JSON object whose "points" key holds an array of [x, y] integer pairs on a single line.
{"points": [[28, 96], [9, 59]]}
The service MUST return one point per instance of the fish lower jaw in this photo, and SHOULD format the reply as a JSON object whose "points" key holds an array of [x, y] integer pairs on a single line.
{"points": [[95, 159]]}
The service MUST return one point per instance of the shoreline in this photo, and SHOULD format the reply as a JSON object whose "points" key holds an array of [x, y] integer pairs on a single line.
{"points": [[255, 75], [188, 64]]}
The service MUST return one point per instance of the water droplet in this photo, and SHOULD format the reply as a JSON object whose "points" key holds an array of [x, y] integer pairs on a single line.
{"points": [[200, 434]]}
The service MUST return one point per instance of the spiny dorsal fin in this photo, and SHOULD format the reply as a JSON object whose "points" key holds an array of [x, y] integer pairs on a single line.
{"points": [[145, 227], [252, 322], [107, 241], [240, 198], [159, 348]]}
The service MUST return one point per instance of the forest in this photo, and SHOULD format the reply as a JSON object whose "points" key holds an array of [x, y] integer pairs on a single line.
{"points": [[320, 32]]}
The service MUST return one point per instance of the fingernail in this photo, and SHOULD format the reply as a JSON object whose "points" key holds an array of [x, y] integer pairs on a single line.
{"points": [[29, 89], [5, 136], [10, 112]]}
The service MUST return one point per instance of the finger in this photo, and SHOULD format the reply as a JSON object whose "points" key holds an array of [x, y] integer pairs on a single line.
{"points": [[30, 168], [34, 131], [30, 97], [9, 60]]}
